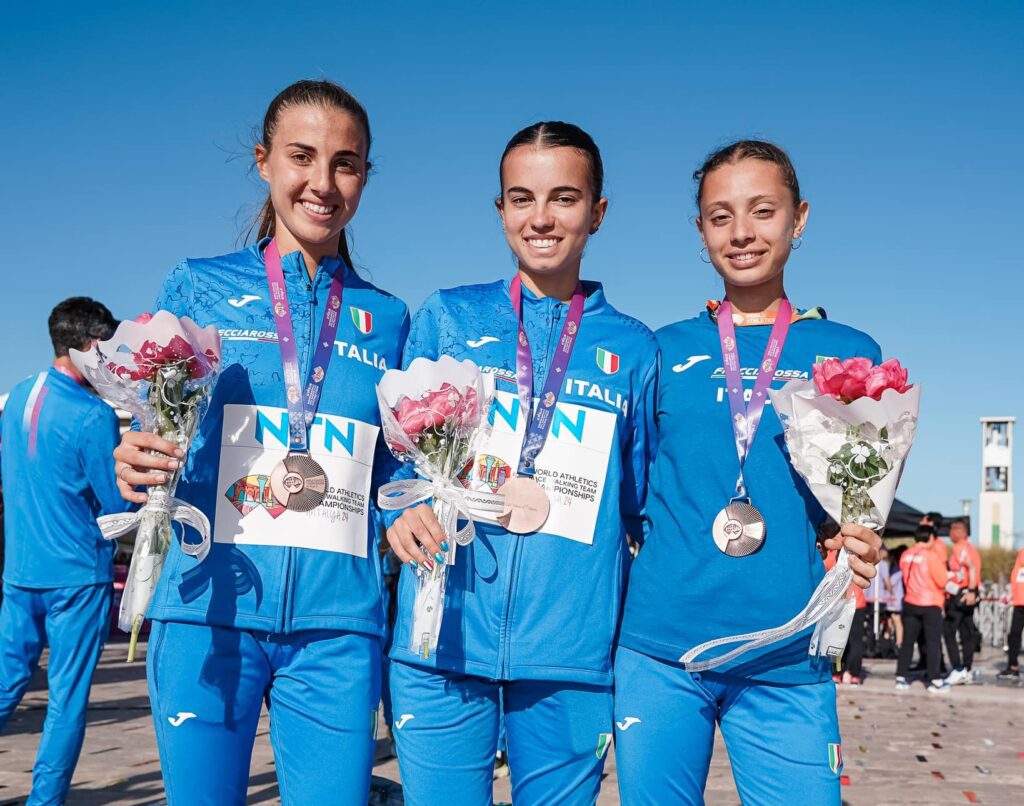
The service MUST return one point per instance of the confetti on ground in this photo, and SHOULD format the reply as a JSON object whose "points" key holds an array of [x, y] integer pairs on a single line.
{"points": [[971, 797], [863, 749], [982, 770], [922, 759], [989, 742], [936, 745], [844, 780], [938, 776], [936, 734]]}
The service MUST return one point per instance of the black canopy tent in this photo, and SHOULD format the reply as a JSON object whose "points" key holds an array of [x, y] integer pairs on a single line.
{"points": [[904, 519]]}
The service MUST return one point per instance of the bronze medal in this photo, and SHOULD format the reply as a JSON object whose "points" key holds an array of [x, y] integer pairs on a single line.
{"points": [[526, 505], [299, 483], [739, 529]]}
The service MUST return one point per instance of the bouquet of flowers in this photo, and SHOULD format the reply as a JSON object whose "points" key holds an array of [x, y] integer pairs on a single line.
{"points": [[161, 369], [432, 415], [848, 430]]}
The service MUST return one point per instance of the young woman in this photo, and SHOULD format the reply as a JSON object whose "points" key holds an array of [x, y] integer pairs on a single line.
{"points": [[692, 582], [287, 606], [530, 617]]}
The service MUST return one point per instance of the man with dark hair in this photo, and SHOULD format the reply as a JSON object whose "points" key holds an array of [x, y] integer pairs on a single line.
{"points": [[58, 469], [965, 570]]}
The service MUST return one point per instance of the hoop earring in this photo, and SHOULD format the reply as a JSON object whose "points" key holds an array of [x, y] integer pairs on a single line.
{"points": [[703, 255], [797, 243]]}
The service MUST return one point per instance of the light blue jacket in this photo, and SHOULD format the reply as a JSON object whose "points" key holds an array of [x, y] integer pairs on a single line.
{"points": [[266, 571], [544, 606]]}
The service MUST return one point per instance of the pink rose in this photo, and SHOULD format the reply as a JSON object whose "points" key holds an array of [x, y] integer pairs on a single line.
{"points": [[856, 377], [887, 375], [445, 401], [415, 416], [856, 370]]}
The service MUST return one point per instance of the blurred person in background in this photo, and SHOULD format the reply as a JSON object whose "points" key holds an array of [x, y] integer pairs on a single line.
{"points": [[965, 577], [896, 596], [1012, 670], [58, 466], [924, 576]]}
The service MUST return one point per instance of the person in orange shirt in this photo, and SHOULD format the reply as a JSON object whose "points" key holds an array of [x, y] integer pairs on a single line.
{"points": [[1012, 670], [924, 579], [965, 574]]}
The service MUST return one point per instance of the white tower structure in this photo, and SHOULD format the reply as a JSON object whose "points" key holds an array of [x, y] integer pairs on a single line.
{"points": [[995, 505]]}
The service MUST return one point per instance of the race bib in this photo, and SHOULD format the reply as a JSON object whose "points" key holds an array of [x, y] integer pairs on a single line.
{"points": [[255, 439], [571, 467]]}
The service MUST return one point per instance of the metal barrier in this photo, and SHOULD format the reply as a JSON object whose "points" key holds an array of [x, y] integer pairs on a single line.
{"points": [[993, 614]]}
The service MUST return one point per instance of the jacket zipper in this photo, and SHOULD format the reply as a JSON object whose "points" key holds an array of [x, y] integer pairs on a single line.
{"points": [[554, 318]]}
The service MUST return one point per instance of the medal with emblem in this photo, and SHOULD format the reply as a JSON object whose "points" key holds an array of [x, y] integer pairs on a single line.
{"points": [[739, 529], [298, 482], [527, 505]]}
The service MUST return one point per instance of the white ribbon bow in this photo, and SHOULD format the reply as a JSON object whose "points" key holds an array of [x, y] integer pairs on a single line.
{"points": [[408, 492], [113, 526], [828, 608]]}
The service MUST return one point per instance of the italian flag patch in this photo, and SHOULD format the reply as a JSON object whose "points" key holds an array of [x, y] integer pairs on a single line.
{"points": [[363, 320], [603, 740], [835, 757], [607, 361]]}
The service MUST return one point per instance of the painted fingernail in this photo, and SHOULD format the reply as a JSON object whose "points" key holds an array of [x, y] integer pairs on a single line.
{"points": [[440, 558], [414, 565], [429, 565], [444, 545]]}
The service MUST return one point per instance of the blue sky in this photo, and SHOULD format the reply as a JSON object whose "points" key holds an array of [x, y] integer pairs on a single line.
{"points": [[127, 134]]}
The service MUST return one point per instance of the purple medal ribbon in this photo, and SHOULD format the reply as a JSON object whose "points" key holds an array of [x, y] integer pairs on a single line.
{"points": [[540, 423], [745, 419], [302, 402]]}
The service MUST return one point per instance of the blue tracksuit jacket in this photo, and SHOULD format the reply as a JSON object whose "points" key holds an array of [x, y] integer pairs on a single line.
{"points": [[683, 590], [58, 471], [272, 570], [544, 606]]}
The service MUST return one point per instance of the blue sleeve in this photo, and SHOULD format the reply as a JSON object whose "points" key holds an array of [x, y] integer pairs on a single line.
{"points": [[640, 454], [422, 342], [178, 291], [97, 440], [423, 339]]}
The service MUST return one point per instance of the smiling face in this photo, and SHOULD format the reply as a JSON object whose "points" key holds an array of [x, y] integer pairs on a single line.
{"points": [[316, 168], [547, 208], [748, 221]]}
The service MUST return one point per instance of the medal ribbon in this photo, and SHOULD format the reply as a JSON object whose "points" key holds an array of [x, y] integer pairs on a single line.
{"points": [[302, 402], [745, 419], [543, 415]]}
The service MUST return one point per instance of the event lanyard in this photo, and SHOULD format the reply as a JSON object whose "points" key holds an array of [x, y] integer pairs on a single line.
{"points": [[302, 403], [540, 423], [746, 419]]}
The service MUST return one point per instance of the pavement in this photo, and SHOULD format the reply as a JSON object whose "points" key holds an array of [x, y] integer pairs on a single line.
{"points": [[900, 749]]}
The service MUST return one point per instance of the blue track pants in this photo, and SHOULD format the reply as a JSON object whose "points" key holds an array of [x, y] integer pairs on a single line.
{"points": [[783, 740], [208, 684], [75, 623], [446, 731]]}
